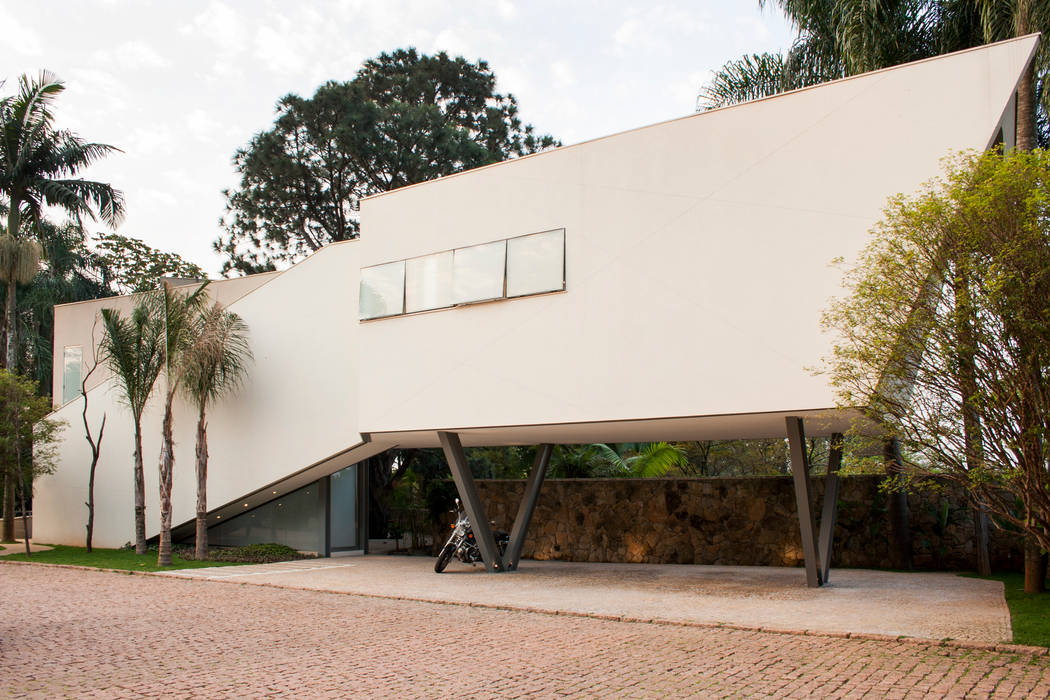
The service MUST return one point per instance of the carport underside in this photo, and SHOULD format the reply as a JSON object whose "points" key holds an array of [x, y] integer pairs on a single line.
{"points": [[816, 544]]}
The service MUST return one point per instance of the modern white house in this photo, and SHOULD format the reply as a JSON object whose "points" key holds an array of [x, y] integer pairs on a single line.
{"points": [[664, 283]]}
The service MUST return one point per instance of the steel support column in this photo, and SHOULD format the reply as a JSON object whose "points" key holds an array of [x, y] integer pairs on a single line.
{"points": [[830, 509], [527, 506], [468, 492], [803, 499]]}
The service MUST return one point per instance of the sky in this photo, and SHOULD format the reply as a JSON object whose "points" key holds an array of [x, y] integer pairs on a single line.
{"points": [[180, 86]]}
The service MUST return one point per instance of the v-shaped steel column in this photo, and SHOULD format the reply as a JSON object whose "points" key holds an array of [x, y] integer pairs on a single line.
{"points": [[527, 506], [468, 491], [803, 499], [830, 509]]}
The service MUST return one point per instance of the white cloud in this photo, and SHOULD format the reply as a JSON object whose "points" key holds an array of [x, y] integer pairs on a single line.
{"points": [[131, 55], [18, 37], [222, 25], [562, 75], [506, 9]]}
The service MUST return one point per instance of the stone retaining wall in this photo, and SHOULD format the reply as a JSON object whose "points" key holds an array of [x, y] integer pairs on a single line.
{"points": [[742, 521]]}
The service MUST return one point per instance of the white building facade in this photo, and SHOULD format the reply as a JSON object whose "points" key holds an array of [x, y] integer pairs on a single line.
{"points": [[665, 283]]}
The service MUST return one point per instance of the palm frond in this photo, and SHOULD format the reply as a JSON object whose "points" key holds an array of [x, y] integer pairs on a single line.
{"points": [[747, 78]]}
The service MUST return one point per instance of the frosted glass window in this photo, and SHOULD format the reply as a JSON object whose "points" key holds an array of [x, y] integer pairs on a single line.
{"points": [[536, 263], [342, 494], [72, 367], [382, 290], [428, 282], [477, 272]]}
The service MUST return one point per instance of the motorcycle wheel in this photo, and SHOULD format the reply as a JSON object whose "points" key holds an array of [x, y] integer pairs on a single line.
{"points": [[444, 558]]}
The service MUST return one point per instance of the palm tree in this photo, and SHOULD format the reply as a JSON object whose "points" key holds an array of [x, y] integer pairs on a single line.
{"points": [[37, 165], [642, 459], [134, 350], [839, 38], [215, 365], [1003, 19], [177, 312]]}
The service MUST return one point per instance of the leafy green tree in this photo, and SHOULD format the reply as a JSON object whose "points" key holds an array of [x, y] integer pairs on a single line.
{"points": [[215, 365], [177, 313], [404, 118], [945, 337], [27, 436], [132, 266], [133, 348], [37, 165]]}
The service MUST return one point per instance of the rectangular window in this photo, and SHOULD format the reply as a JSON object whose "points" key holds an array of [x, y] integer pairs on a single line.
{"points": [[72, 369], [382, 291], [477, 272], [428, 282], [536, 263]]}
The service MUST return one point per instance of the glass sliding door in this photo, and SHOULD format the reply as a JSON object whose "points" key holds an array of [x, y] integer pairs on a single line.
{"points": [[343, 523]]}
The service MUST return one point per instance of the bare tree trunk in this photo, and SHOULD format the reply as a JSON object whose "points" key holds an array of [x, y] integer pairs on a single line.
{"points": [[140, 492], [8, 534], [201, 552], [973, 439], [96, 449], [1034, 566], [981, 542], [167, 466], [900, 524]]}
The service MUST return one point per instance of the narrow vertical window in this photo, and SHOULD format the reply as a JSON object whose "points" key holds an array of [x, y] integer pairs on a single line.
{"points": [[536, 263], [72, 369], [382, 291], [478, 272]]}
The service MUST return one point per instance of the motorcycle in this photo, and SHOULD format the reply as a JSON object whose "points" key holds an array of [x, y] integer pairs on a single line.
{"points": [[462, 544]]}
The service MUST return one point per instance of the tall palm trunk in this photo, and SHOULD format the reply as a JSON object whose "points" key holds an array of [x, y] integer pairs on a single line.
{"points": [[167, 466], [140, 491], [10, 360], [201, 552], [1026, 138]]}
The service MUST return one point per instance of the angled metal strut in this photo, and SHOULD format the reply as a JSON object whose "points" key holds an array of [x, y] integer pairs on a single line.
{"points": [[468, 491]]}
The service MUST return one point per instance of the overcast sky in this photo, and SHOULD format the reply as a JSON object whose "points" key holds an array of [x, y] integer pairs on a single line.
{"points": [[179, 86]]}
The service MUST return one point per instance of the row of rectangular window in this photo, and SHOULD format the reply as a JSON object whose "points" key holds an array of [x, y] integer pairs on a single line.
{"points": [[514, 267]]}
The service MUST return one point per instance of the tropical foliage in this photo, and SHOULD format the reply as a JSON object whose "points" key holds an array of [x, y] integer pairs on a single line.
{"points": [[840, 38], [38, 163], [177, 312], [133, 349], [215, 365], [404, 118]]}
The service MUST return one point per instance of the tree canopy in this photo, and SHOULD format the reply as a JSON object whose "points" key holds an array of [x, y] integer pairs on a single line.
{"points": [[945, 336], [131, 266], [405, 118]]}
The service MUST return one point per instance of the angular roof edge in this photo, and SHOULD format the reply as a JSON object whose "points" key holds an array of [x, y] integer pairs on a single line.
{"points": [[697, 115]]}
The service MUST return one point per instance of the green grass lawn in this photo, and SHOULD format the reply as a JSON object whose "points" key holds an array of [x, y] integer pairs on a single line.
{"points": [[111, 559], [1029, 612]]}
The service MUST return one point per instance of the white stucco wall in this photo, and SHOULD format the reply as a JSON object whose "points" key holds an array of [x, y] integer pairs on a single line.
{"points": [[698, 254], [298, 407]]}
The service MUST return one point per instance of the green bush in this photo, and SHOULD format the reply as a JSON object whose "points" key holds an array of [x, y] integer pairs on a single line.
{"points": [[259, 553]]}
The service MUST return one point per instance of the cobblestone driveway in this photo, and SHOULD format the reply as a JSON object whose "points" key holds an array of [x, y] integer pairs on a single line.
{"points": [[66, 632]]}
